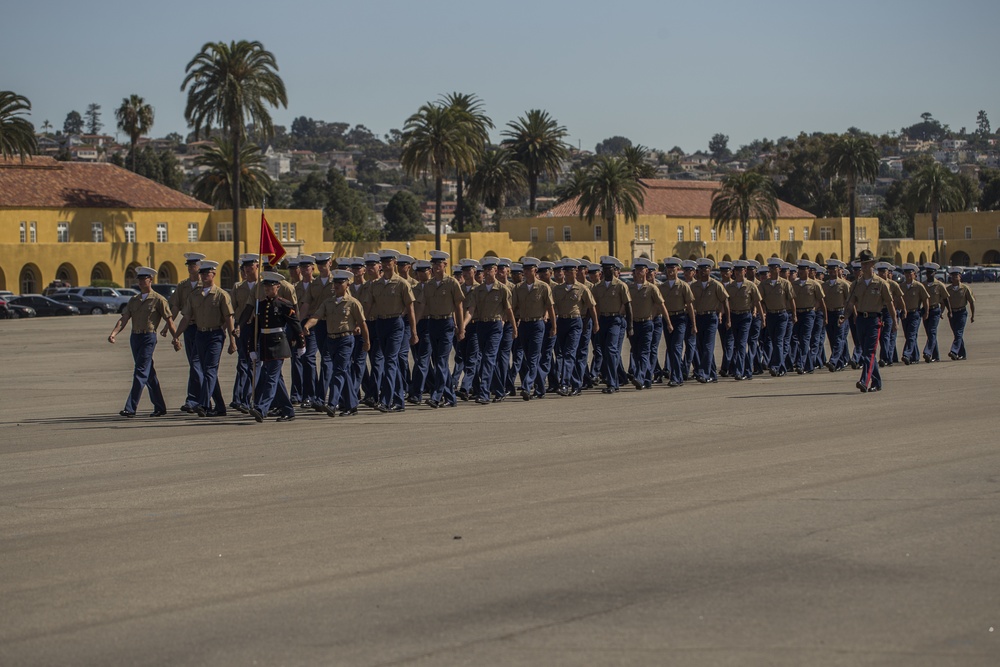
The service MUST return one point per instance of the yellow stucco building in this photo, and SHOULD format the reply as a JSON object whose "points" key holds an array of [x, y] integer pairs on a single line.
{"points": [[83, 222], [965, 239]]}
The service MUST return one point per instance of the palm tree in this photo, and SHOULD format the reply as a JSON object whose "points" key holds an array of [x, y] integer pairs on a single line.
{"points": [[481, 124], [936, 189], [214, 186], [231, 85], [435, 142], [636, 158], [17, 135], [46, 126], [498, 177], [854, 159], [135, 118], [536, 140], [744, 196], [608, 188]]}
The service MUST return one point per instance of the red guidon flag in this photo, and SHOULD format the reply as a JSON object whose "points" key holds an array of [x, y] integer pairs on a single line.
{"points": [[269, 243]]}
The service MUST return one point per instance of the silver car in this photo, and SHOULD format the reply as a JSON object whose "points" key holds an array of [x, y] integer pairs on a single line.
{"points": [[104, 294]]}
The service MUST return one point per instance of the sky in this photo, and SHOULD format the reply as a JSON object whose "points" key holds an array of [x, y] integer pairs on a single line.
{"points": [[662, 73]]}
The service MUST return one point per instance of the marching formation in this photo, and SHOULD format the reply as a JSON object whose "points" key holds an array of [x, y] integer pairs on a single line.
{"points": [[386, 330]]}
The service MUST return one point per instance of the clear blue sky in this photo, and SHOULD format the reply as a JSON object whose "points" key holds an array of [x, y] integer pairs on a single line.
{"points": [[662, 73]]}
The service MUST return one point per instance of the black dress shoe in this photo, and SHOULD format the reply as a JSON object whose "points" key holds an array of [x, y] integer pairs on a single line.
{"points": [[927, 358], [432, 403], [607, 390], [413, 400], [396, 408], [575, 392], [483, 401], [273, 412], [285, 418], [157, 413], [525, 395], [256, 414], [498, 399], [671, 383], [370, 402], [462, 394], [234, 405], [348, 413], [216, 413], [382, 407], [317, 406], [186, 408], [126, 413], [330, 411], [861, 385], [200, 411]]}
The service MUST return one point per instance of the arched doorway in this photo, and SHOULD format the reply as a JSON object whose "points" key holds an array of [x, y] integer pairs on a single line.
{"points": [[100, 272], [67, 273], [130, 277], [805, 256], [490, 253], [226, 276], [897, 259], [644, 255], [833, 255], [923, 258], [759, 258], [727, 258], [711, 257], [3, 280], [167, 273], [586, 259], [30, 279], [790, 258], [960, 259], [910, 258], [692, 256], [819, 259], [991, 257]]}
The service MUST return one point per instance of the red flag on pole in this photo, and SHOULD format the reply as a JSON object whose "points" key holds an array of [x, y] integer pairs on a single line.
{"points": [[269, 244]]}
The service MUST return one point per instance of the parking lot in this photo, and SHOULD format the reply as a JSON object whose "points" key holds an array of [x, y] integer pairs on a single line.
{"points": [[788, 521]]}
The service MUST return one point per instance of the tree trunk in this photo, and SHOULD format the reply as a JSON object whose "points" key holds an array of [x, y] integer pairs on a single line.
{"points": [[612, 242], [236, 203], [854, 234], [532, 190], [743, 232], [934, 220], [134, 139], [459, 203], [438, 193]]}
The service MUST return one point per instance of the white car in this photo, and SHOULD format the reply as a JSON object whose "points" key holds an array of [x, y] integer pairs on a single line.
{"points": [[106, 295]]}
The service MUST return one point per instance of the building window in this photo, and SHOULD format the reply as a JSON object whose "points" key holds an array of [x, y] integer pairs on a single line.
{"points": [[192, 232], [129, 232], [715, 234], [862, 233], [24, 232], [567, 233], [826, 233], [550, 234], [968, 232], [697, 233], [161, 232], [62, 232], [284, 230], [791, 233], [97, 232], [731, 234], [598, 232], [291, 232], [33, 232], [680, 234], [533, 234], [805, 233], [777, 234], [225, 231]]}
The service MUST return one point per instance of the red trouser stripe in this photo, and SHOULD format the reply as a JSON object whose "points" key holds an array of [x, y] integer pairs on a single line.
{"points": [[871, 365]]}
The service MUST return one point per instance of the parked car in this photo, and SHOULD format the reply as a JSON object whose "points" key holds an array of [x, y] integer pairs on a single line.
{"points": [[166, 290], [105, 294], [92, 306], [4, 294], [14, 311], [127, 291], [45, 306]]}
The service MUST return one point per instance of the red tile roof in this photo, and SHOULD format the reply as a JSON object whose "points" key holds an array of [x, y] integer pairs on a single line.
{"points": [[679, 199], [42, 182]]}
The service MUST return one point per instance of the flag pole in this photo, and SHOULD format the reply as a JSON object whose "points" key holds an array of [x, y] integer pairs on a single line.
{"points": [[256, 302]]}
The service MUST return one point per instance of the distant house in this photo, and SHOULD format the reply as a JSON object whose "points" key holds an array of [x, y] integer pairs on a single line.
{"points": [[276, 163]]}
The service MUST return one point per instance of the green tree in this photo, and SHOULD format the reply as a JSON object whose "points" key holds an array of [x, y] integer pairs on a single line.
{"points": [[928, 129], [403, 217], [983, 124], [854, 159], [232, 85], [608, 188], [312, 193], [435, 142], [718, 146], [537, 142], [73, 123], [498, 177], [214, 187], [93, 116], [989, 181], [613, 146], [135, 118], [17, 134], [745, 196], [346, 211], [479, 136], [936, 189], [799, 170], [635, 156]]}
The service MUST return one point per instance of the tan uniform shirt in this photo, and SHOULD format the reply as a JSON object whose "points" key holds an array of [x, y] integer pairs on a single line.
{"points": [[777, 294], [646, 300], [915, 296], [342, 315], [743, 297], [871, 297], [611, 297], [836, 291], [209, 310], [531, 302], [390, 297], [318, 293], [243, 294], [676, 297], [180, 296], [302, 294], [937, 291], [709, 297], [365, 297], [572, 300], [488, 303], [959, 296], [897, 293], [146, 314], [439, 299], [808, 294]]}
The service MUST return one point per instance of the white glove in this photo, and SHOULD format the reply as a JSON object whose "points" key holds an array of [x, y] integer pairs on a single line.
{"points": [[253, 356], [299, 351]]}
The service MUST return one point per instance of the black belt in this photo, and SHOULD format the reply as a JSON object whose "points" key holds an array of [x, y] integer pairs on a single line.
{"points": [[532, 319], [868, 315], [804, 310], [641, 319], [958, 310], [570, 317], [708, 312], [674, 313], [780, 310], [339, 335], [437, 317], [738, 312], [389, 317], [489, 319], [610, 314], [210, 329]]}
